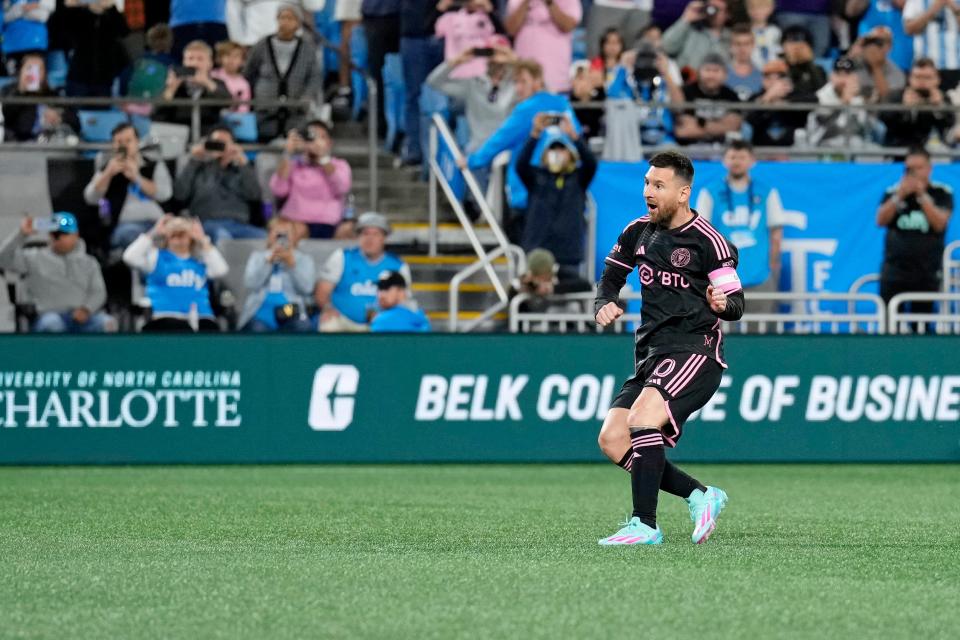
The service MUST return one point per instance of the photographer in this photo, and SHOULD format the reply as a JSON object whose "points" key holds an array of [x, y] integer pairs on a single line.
{"points": [[193, 81], [708, 123], [556, 180], [131, 185], [909, 128], [879, 76], [543, 280], [841, 127], [314, 183], [701, 30], [177, 258], [279, 282], [218, 185]]}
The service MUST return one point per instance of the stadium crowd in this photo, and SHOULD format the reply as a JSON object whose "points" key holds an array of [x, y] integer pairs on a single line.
{"points": [[550, 81]]}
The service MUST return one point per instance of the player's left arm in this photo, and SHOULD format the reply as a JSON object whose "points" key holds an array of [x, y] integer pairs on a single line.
{"points": [[725, 293]]}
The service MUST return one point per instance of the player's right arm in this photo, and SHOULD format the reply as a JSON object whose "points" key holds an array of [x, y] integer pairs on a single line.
{"points": [[617, 266]]}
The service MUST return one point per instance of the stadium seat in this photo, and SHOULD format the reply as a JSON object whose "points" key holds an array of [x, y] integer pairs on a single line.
{"points": [[243, 125], [142, 124], [95, 126], [172, 139]]}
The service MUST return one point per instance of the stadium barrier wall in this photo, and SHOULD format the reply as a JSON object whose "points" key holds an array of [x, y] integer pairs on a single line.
{"points": [[494, 398]]}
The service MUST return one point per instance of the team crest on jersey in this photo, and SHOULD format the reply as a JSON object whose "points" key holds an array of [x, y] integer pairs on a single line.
{"points": [[680, 257]]}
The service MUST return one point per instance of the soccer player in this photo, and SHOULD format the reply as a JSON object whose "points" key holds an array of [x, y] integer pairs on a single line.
{"points": [[690, 283]]}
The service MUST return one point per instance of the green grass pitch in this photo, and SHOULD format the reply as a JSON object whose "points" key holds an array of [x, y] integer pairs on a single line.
{"points": [[473, 551]]}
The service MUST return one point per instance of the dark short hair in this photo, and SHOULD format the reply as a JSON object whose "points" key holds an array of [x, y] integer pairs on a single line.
{"points": [[924, 63], [740, 145], [741, 29], [917, 150], [681, 164], [322, 125], [224, 128], [124, 125]]}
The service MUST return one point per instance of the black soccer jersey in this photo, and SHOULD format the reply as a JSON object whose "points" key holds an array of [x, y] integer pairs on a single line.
{"points": [[676, 266], [913, 251]]}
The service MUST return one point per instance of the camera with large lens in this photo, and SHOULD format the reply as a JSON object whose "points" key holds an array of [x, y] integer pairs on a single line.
{"points": [[709, 12], [645, 67]]}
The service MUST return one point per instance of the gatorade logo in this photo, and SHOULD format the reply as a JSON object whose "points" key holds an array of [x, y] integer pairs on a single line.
{"points": [[333, 397]]}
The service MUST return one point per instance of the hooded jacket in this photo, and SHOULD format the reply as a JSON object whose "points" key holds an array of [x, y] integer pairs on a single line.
{"points": [[512, 135], [557, 201], [56, 282]]}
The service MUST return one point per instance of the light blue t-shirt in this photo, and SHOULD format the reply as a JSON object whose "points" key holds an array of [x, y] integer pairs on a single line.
{"points": [[400, 319], [882, 13], [176, 283], [744, 217], [356, 290], [24, 35], [194, 11], [745, 86]]}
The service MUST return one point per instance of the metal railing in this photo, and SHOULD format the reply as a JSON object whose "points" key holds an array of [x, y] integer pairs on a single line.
{"points": [[195, 105], [514, 256], [943, 321], [807, 322]]}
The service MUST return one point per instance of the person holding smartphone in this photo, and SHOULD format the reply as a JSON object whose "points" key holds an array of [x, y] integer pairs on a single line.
{"points": [[279, 281], [314, 184], [219, 186], [193, 80], [26, 122], [466, 26]]}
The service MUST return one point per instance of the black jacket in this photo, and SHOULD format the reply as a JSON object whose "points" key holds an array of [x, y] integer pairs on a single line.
{"points": [[556, 204], [906, 128]]}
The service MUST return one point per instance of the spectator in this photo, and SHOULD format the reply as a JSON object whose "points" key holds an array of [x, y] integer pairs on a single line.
{"points": [[284, 65], [24, 29], [776, 128], [218, 186], [628, 19], [653, 36], [611, 50], [346, 291], [743, 77], [889, 14], [557, 179], [420, 53], [766, 35], [933, 25], [397, 313], [279, 282], [910, 128], [193, 81], [313, 182], [250, 21], [700, 31], [147, 77], [878, 76], [542, 280], [131, 186], [465, 27], [65, 284], [915, 213], [708, 123], [543, 31], [177, 273], [487, 99], [805, 74], [587, 86], [656, 82], [97, 55], [841, 127], [347, 13], [750, 214], [24, 122], [193, 20], [811, 15], [231, 57], [513, 133], [381, 23]]}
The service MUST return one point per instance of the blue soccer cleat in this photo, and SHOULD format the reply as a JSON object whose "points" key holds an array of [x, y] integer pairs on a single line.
{"points": [[705, 508], [633, 532]]}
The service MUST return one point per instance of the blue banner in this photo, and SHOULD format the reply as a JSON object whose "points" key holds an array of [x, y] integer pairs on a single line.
{"points": [[831, 238]]}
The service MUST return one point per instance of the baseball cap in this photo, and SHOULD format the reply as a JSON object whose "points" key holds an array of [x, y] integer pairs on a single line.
{"points": [[64, 222], [389, 279], [797, 33], [541, 262], [845, 64], [374, 220]]}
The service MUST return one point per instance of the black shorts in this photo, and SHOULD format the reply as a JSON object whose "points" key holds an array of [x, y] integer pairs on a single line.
{"points": [[686, 381]]}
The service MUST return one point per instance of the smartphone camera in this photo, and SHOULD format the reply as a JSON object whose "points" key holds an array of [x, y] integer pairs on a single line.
{"points": [[214, 146], [483, 52]]}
